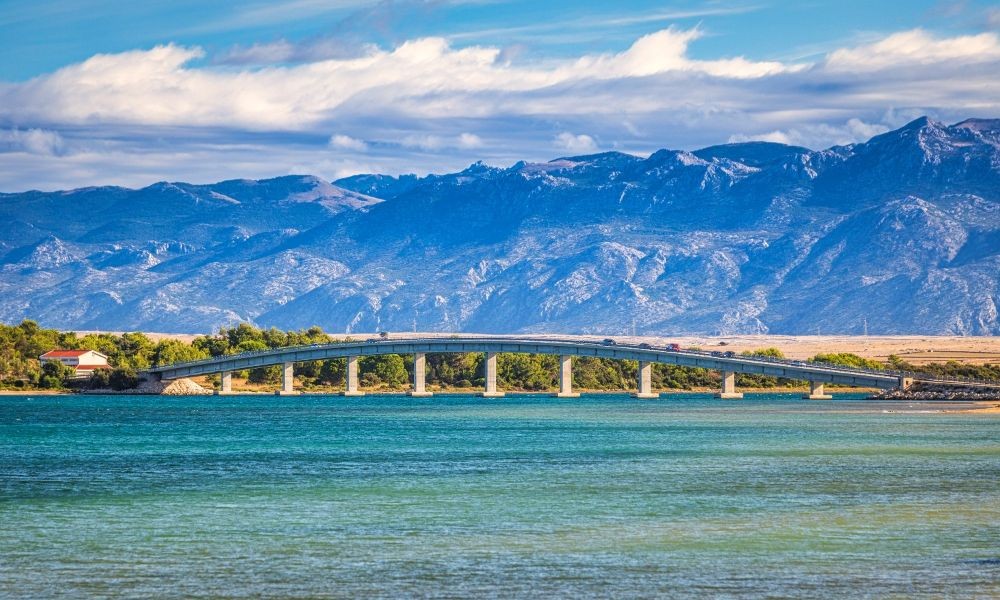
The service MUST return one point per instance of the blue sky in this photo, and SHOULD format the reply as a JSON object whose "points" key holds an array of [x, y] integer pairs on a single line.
{"points": [[136, 92]]}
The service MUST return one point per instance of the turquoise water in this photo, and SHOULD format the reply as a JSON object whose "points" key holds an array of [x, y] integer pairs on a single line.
{"points": [[521, 496]]}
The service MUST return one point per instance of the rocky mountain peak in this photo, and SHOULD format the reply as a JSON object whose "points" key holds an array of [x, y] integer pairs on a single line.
{"points": [[901, 231]]}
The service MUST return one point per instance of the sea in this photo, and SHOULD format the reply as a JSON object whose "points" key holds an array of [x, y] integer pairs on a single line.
{"points": [[458, 496]]}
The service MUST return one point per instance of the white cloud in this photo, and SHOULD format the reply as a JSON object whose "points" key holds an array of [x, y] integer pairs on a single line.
{"points": [[577, 144], [915, 47], [427, 104], [665, 51], [818, 135], [863, 131], [32, 141], [469, 141], [157, 86], [346, 142], [435, 143], [423, 142]]}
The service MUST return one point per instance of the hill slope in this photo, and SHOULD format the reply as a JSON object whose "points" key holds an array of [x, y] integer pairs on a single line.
{"points": [[901, 232]]}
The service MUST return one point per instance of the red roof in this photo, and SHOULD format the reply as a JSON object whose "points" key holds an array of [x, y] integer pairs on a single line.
{"points": [[64, 353]]}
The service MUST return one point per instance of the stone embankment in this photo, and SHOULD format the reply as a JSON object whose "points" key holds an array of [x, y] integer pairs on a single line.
{"points": [[177, 387], [940, 392]]}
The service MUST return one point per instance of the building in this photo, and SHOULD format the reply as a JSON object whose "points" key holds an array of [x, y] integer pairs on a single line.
{"points": [[83, 362]]}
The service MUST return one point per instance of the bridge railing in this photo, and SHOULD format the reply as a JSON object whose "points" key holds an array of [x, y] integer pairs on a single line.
{"points": [[561, 341], [556, 341], [800, 363]]}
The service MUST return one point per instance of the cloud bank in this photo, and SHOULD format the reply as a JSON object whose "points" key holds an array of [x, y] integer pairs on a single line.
{"points": [[165, 113]]}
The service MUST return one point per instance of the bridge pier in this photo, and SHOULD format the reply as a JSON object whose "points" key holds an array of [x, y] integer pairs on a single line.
{"points": [[491, 377], [645, 381], [226, 386], [287, 380], [566, 377], [564, 349], [419, 369], [351, 377], [816, 392], [729, 387]]}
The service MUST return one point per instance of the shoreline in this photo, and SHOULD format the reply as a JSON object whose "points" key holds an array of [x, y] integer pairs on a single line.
{"points": [[436, 392], [912, 406]]}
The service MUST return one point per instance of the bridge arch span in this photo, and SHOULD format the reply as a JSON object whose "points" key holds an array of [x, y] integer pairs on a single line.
{"points": [[817, 374]]}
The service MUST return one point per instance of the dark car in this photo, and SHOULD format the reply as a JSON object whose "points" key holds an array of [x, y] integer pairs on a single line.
{"points": [[609, 342], [645, 345], [729, 354], [372, 340]]}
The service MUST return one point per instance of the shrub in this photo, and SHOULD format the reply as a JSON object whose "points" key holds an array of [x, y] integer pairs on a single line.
{"points": [[270, 374], [50, 382], [100, 379], [123, 378]]}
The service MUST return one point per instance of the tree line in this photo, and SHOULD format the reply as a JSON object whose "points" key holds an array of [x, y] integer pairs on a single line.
{"points": [[21, 345]]}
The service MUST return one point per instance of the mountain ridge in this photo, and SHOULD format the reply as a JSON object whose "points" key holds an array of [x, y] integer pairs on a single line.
{"points": [[899, 233]]}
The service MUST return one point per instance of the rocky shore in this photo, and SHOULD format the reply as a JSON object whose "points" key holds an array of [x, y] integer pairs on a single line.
{"points": [[935, 392], [177, 387]]}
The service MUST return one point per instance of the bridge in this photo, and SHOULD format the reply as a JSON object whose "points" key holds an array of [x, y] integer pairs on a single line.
{"points": [[729, 364]]}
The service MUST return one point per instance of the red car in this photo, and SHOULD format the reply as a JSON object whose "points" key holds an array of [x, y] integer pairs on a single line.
{"points": [[674, 347]]}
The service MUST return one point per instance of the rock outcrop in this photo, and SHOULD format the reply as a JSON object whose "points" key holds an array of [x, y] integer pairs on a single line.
{"points": [[898, 235]]}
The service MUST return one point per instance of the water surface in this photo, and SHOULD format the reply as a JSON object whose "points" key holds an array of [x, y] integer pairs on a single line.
{"points": [[519, 496]]}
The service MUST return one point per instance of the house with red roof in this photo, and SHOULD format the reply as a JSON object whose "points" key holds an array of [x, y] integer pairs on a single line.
{"points": [[83, 362]]}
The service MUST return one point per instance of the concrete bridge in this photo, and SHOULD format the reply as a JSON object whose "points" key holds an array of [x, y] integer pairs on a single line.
{"points": [[728, 364]]}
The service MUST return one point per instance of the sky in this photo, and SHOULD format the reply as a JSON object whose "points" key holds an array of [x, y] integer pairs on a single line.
{"points": [[118, 92]]}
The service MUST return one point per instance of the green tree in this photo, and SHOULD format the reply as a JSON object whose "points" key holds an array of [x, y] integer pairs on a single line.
{"points": [[123, 378], [244, 332], [846, 359], [106, 344], [55, 374], [271, 374], [168, 352], [390, 369], [248, 345], [333, 372], [100, 379], [211, 344], [533, 372], [136, 350]]}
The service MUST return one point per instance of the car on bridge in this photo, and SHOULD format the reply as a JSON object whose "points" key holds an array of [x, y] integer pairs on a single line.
{"points": [[609, 342]]}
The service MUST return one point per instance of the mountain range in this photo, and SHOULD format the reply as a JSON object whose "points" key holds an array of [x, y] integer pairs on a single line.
{"points": [[896, 235]]}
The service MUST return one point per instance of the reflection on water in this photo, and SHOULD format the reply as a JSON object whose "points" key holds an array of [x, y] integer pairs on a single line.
{"points": [[523, 496]]}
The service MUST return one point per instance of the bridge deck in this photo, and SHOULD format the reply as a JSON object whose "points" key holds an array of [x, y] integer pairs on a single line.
{"points": [[816, 372]]}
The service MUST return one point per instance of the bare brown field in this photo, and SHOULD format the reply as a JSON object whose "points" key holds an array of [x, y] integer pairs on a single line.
{"points": [[915, 349], [184, 337]]}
